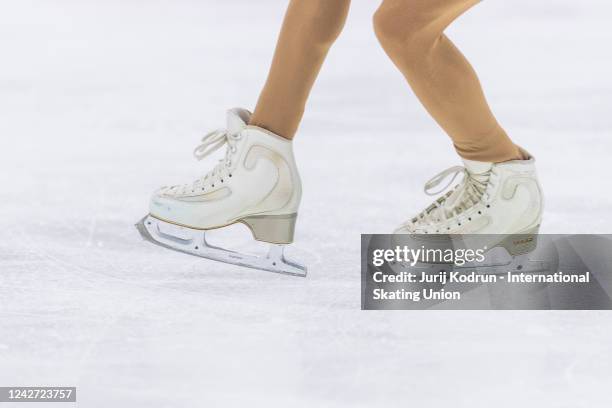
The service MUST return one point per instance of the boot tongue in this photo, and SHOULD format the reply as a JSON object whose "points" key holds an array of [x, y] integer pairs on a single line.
{"points": [[477, 167], [237, 119]]}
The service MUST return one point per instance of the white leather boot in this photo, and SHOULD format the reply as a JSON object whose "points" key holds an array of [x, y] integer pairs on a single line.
{"points": [[256, 184], [492, 198]]}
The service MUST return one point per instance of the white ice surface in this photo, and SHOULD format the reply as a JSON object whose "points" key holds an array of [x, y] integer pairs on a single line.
{"points": [[102, 101]]}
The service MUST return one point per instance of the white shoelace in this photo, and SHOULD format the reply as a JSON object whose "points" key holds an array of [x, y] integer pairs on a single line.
{"points": [[465, 195], [210, 143]]}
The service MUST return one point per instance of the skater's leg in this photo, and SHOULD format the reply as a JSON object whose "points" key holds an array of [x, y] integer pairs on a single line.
{"points": [[412, 34], [309, 29]]}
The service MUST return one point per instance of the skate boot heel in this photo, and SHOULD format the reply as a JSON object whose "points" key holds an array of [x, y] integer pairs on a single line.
{"points": [[276, 229], [520, 244]]}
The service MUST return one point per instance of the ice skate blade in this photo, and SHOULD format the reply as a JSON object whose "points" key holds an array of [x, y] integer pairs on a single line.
{"points": [[193, 242]]}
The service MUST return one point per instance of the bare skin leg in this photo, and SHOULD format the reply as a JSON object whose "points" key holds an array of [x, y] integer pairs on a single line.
{"points": [[412, 34], [309, 30]]}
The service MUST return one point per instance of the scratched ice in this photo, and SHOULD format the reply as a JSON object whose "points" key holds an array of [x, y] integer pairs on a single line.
{"points": [[103, 101]]}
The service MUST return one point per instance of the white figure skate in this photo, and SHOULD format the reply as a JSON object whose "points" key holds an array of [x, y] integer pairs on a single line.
{"points": [[256, 184], [496, 205]]}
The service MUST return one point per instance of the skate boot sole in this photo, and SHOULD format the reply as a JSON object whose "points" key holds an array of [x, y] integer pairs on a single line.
{"points": [[517, 246], [273, 229]]}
